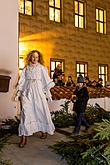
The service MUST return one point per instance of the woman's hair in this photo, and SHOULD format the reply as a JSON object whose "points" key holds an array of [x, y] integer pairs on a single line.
{"points": [[29, 57]]}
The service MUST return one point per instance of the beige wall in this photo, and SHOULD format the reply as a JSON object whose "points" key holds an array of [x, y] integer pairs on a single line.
{"points": [[63, 40], [8, 54]]}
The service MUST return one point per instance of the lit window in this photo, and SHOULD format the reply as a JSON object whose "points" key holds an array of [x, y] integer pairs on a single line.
{"points": [[81, 69], [103, 72], [79, 14], [55, 10], [26, 7], [101, 21], [21, 64], [53, 65]]}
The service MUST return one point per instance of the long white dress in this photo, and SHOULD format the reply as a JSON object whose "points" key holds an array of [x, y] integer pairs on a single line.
{"points": [[35, 116]]}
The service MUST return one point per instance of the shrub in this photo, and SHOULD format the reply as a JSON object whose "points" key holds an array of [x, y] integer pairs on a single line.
{"points": [[96, 114], [10, 126], [88, 149], [62, 118]]}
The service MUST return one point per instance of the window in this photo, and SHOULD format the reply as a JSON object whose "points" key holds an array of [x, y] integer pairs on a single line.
{"points": [[79, 14], [21, 63], [53, 65], [103, 72], [100, 21], [55, 10], [26, 7], [81, 69]]}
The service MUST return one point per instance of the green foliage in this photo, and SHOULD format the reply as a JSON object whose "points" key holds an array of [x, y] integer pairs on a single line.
{"points": [[3, 140], [62, 118], [9, 127], [72, 150], [5, 162], [101, 153], [91, 149], [95, 114], [88, 149], [103, 130], [13, 125], [95, 154], [107, 151]]}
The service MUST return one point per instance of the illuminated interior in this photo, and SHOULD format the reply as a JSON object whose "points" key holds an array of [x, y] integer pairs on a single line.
{"points": [[103, 72], [81, 69], [21, 6], [100, 21], [53, 65], [54, 10], [79, 14], [25, 7]]}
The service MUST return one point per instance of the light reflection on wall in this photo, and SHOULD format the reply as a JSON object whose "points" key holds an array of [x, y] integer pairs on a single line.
{"points": [[41, 42]]}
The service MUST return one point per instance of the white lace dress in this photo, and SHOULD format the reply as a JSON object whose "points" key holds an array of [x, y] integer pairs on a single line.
{"points": [[35, 116]]}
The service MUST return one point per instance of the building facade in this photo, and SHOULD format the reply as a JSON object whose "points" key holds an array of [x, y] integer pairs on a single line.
{"points": [[75, 33], [8, 57]]}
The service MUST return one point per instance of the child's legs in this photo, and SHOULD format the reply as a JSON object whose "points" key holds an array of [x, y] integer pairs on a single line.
{"points": [[84, 121], [78, 122]]}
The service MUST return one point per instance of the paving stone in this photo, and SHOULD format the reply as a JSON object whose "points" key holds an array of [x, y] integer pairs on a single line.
{"points": [[36, 152]]}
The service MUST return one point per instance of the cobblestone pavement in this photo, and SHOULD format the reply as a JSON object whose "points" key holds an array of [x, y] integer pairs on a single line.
{"points": [[36, 152]]}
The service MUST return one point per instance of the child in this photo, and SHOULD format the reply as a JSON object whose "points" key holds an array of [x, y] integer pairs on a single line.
{"points": [[60, 81], [70, 82], [81, 94], [32, 90], [57, 72]]}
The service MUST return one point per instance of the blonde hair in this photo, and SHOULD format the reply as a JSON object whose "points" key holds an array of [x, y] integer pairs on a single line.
{"points": [[29, 57]]}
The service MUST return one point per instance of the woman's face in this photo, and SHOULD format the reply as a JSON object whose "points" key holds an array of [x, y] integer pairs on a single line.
{"points": [[34, 58]]}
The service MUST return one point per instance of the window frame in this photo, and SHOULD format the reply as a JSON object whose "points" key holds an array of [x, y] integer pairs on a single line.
{"points": [[79, 15], [24, 11], [98, 22], [100, 75], [20, 67], [56, 60], [84, 74], [21, 60], [56, 8]]}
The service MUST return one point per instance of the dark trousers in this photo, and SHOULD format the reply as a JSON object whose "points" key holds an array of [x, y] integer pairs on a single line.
{"points": [[80, 119]]}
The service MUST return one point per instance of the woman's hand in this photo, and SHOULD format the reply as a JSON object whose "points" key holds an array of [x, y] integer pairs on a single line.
{"points": [[48, 96], [17, 98]]}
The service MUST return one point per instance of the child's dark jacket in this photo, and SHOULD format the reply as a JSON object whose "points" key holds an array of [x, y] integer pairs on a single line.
{"points": [[82, 97]]}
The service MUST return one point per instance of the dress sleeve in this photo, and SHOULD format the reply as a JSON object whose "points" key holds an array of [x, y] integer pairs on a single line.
{"points": [[47, 82]]}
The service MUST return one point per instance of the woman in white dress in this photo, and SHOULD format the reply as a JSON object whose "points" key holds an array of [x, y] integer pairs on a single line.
{"points": [[33, 90]]}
